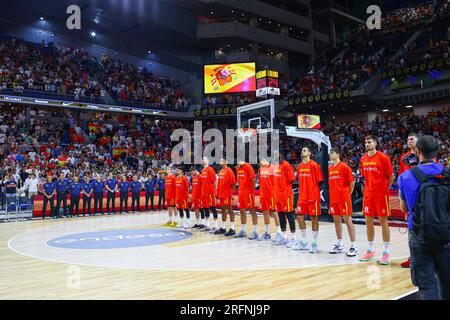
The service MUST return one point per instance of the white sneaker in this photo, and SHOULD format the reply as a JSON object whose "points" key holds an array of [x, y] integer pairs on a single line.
{"points": [[313, 248], [301, 245], [297, 245], [186, 225], [291, 242], [353, 251], [337, 248]]}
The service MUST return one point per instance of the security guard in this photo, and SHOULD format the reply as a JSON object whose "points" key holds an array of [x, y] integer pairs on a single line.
{"points": [[150, 186], [87, 193], [111, 187], [49, 191], [75, 191], [135, 194], [62, 188], [98, 187], [124, 189]]}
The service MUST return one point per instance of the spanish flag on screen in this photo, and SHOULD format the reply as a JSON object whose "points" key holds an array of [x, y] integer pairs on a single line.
{"points": [[308, 121], [225, 78]]}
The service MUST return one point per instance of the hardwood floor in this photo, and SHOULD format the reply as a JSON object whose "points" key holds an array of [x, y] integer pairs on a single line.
{"points": [[202, 266]]}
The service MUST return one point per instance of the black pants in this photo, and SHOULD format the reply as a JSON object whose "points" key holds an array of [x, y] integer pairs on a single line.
{"points": [[98, 202], [74, 203], [161, 198], [149, 195], [124, 199], [111, 197], [430, 268], [61, 197], [135, 198], [52, 206], [86, 205]]}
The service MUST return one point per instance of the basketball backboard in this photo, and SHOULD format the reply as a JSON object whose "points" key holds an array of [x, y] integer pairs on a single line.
{"points": [[257, 116]]}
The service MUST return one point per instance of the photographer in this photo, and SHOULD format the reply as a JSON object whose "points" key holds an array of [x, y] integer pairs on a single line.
{"points": [[408, 161], [428, 226]]}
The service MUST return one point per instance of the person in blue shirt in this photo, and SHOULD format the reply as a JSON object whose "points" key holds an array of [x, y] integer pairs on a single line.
{"points": [[61, 195], [98, 187], [150, 186], [160, 183], [124, 189], [430, 263], [75, 190], [48, 190], [87, 193], [135, 194], [10, 184], [111, 187]]}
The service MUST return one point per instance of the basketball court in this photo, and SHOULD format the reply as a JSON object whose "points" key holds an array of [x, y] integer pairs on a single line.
{"points": [[133, 257]]}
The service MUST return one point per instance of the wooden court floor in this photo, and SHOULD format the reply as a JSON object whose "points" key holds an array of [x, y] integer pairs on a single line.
{"points": [[201, 267]]}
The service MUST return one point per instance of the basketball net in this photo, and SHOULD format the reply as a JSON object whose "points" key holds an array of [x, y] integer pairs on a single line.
{"points": [[247, 133]]}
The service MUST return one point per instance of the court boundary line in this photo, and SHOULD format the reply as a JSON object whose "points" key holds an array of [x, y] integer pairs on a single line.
{"points": [[181, 269]]}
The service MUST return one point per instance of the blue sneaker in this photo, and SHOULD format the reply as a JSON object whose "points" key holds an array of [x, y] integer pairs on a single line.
{"points": [[264, 237], [241, 234]]}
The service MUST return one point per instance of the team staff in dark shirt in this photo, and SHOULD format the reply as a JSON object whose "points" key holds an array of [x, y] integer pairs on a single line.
{"points": [[75, 190], [87, 193], [49, 191], [124, 189], [61, 194], [150, 186], [98, 187], [135, 194], [111, 187]]}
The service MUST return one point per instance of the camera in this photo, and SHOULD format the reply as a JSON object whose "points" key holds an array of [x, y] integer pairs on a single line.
{"points": [[411, 160]]}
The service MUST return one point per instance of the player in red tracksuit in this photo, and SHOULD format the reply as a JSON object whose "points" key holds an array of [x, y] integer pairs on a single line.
{"points": [[341, 185], [376, 168], [283, 177], [209, 179], [309, 177], [196, 194], [181, 196], [226, 184], [169, 182], [266, 198], [246, 197]]}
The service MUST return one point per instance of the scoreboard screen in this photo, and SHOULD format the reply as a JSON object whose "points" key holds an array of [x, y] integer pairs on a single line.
{"points": [[267, 83]]}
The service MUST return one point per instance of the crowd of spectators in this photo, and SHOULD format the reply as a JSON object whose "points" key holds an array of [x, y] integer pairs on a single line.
{"points": [[435, 48], [74, 73], [354, 65], [52, 69], [351, 63], [403, 19], [129, 83], [52, 142], [229, 99], [391, 131]]}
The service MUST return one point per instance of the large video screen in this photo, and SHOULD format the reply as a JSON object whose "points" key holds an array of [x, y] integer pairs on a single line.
{"points": [[308, 121], [227, 78]]}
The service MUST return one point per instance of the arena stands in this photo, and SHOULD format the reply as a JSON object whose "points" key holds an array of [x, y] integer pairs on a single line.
{"points": [[129, 84], [349, 64], [61, 72]]}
